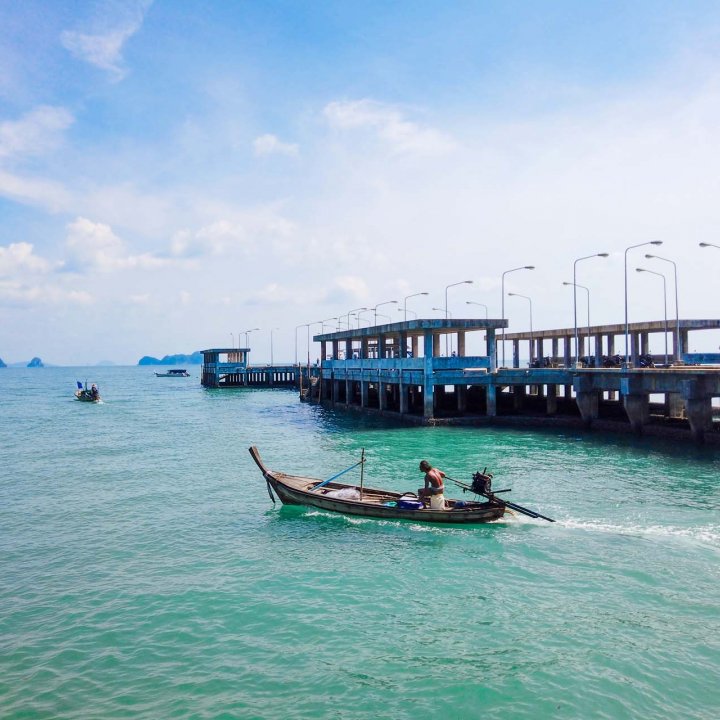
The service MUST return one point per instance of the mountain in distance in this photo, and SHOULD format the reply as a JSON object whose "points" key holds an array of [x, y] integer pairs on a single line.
{"points": [[2, 364], [195, 358], [35, 362]]}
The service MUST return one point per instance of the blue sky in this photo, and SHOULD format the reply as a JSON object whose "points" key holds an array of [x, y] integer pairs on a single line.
{"points": [[174, 173]]}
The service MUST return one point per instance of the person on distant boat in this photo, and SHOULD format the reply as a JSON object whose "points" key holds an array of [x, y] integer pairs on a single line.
{"points": [[434, 486], [94, 393]]}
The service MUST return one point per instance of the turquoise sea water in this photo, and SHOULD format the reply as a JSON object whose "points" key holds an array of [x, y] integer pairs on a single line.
{"points": [[144, 572]]}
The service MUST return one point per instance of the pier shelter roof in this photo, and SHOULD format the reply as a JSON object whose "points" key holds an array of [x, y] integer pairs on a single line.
{"points": [[225, 350], [414, 327], [652, 326]]}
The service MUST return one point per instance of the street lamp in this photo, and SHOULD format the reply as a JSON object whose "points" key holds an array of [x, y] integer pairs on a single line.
{"points": [[297, 327], [247, 332], [387, 302], [271, 346], [405, 299], [652, 272], [502, 300], [232, 341], [406, 311], [575, 287], [677, 312], [472, 302], [354, 310], [627, 327], [709, 245], [531, 327], [462, 282], [587, 290], [445, 311]]}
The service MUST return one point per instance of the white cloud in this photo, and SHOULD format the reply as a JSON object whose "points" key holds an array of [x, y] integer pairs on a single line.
{"points": [[390, 125], [94, 246], [18, 258], [271, 145], [103, 48], [37, 132], [16, 293], [347, 289]]}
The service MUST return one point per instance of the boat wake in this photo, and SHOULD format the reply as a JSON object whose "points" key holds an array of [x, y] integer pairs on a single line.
{"points": [[708, 535]]}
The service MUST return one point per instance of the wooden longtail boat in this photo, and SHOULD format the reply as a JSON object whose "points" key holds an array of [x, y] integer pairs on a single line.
{"points": [[369, 502]]}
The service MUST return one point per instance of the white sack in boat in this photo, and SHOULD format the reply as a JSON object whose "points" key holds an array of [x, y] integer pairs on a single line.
{"points": [[344, 494]]}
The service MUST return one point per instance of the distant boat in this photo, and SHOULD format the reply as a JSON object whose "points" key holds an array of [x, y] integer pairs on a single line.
{"points": [[174, 373], [87, 394]]}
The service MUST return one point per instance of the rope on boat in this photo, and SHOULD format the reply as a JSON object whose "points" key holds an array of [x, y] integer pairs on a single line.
{"points": [[325, 482]]}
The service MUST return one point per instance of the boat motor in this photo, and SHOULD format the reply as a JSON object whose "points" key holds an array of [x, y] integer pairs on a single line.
{"points": [[482, 483]]}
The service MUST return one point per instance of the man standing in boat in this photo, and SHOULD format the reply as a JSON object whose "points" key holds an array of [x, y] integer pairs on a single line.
{"points": [[434, 486]]}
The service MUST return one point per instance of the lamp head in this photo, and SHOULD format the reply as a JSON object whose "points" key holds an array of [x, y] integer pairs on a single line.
{"points": [[529, 267], [603, 254], [704, 245], [640, 270], [656, 242]]}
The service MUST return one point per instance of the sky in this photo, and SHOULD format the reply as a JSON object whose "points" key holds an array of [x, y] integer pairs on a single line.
{"points": [[174, 173]]}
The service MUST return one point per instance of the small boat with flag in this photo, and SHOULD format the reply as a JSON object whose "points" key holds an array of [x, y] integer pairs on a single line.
{"points": [[179, 372], [87, 394], [370, 502]]}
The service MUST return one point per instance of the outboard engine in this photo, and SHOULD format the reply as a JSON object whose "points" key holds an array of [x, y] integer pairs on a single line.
{"points": [[482, 483]]}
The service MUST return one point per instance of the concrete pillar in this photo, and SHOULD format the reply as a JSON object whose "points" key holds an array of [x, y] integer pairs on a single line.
{"points": [[674, 405], [348, 349], [348, 391], [516, 353], [414, 345], [461, 344], [382, 396], [382, 346], [598, 350], [335, 390], [554, 349], [363, 393], [567, 355], [364, 348], [519, 392], [430, 341], [683, 342], [551, 402], [402, 345], [698, 407], [461, 393], [491, 350], [491, 396], [586, 397], [435, 348], [335, 349], [403, 390], [637, 409], [634, 348]]}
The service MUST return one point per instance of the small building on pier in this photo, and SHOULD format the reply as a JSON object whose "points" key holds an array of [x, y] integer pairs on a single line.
{"points": [[229, 367]]}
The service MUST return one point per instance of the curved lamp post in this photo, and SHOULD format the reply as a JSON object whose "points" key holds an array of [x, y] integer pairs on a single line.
{"points": [[627, 326], [387, 302], [532, 344], [677, 312], [703, 244], [588, 309], [652, 272], [406, 311], [271, 345], [502, 296], [406, 298], [472, 302], [462, 282], [575, 286], [247, 333], [297, 327]]}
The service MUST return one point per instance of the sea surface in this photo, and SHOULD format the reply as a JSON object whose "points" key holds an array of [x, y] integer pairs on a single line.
{"points": [[145, 573]]}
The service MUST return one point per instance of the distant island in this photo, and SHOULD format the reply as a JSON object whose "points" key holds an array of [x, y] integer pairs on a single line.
{"points": [[2, 364], [36, 362], [195, 358]]}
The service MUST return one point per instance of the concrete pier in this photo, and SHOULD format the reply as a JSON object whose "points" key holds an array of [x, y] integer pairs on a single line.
{"points": [[377, 369]]}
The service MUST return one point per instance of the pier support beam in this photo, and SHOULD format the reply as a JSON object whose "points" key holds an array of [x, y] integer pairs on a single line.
{"points": [[551, 400], [586, 398], [403, 390], [698, 407], [637, 407], [491, 395], [364, 384]]}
